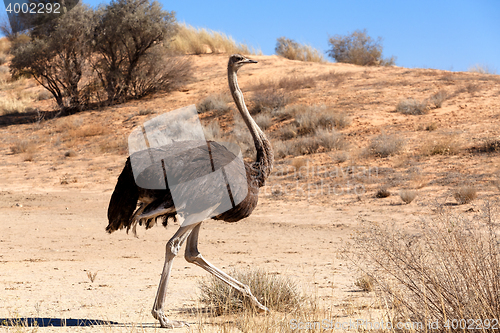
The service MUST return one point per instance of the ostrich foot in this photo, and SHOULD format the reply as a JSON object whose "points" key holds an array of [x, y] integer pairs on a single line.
{"points": [[167, 323], [261, 308]]}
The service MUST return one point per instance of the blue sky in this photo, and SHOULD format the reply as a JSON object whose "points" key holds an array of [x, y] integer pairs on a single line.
{"points": [[442, 34]]}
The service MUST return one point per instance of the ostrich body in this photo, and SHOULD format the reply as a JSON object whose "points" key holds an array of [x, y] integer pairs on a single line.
{"points": [[158, 204]]}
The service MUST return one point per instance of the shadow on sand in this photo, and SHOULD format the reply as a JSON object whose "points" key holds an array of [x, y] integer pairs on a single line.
{"points": [[55, 322]]}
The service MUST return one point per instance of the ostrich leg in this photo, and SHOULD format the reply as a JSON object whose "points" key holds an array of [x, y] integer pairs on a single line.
{"points": [[192, 255], [173, 247]]}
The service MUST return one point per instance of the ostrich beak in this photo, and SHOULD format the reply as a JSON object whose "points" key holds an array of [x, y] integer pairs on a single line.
{"points": [[249, 61]]}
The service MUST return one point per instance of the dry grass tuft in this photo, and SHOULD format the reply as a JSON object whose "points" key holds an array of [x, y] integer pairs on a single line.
{"points": [[263, 120], [482, 69], [268, 100], [438, 98], [91, 276], [365, 283], [412, 106], [115, 145], [23, 146], [407, 195], [212, 131], [86, 131], [14, 105], [385, 145], [276, 292], [323, 141], [295, 82], [217, 103], [444, 271], [292, 50], [190, 40], [465, 194], [444, 145]]}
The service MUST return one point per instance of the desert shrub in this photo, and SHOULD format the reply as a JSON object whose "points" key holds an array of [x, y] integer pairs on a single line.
{"points": [[268, 100], [125, 36], [275, 292], [263, 120], [407, 195], [365, 283], [309, 119], [444, 145], [465, 194], [412, 106], [431, 127], [3, 59], [217, 103], [438, 98], [55, 56], [290, 49], [445, 270], [22, 146], [189, 40], [358, 48], [385, 145], [472, 88], [482, 69], [158, 72], [322, 141], [382, 192], [488, 146]]}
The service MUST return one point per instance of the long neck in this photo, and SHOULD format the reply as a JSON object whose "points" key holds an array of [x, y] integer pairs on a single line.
{"points": [[265, 156]]}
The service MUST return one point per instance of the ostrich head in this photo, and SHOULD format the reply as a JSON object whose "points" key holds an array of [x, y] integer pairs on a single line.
{"points": [[236, 61]]}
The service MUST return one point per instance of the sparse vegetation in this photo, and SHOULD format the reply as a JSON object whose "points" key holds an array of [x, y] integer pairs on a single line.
{"points": [[365, 283], [91, 276], [382, 192], [263, 120], [446, 270], [268, 100], [111, 54], [443, 145], [14, 105], [322, 141], [465, 194], [212, 131], [488, 146], [482, 69], [217, 103], [407, 195], [23, 146], [412, 106], [385, 145], [290, 49], [358, 48], [190, 40], [276, 292]]}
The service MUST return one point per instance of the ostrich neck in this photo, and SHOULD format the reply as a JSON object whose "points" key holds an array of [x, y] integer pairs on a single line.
{"points": [[265, 157]]}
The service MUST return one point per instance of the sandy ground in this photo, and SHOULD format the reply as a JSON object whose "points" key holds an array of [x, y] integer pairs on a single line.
{"points": [[53, 208]]}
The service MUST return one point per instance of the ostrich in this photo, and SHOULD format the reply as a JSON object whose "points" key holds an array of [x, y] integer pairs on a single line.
{"points": [[124, 211]]}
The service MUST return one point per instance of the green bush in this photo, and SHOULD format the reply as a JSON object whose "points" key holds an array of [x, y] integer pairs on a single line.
{"points": [[358, 48]]}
